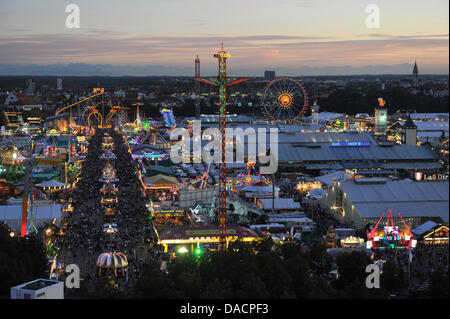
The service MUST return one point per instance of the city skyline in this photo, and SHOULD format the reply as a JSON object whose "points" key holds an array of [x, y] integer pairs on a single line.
{"points": [[291, 37]]}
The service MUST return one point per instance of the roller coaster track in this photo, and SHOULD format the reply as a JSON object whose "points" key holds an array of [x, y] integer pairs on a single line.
{"points": [[79, 102]]}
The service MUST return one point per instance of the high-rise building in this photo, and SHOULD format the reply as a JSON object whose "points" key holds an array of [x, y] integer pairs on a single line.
{"points": [[415, 78], [59, 84], [269, 75]]}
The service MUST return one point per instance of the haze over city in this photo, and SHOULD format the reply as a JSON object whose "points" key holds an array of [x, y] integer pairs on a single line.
{"points": [[162, 38]]}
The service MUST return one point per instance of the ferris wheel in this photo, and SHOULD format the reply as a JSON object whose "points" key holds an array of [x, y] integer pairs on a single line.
{"points": [[116, 115], [284, 100]]}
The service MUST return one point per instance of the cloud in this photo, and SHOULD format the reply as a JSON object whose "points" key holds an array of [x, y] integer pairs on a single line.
{"points": [[253, 53], [84, 69], [398, 37]]}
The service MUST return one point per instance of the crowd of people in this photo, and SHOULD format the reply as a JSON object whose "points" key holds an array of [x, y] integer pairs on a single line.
{"points": [[418, 263], [85, 239]]}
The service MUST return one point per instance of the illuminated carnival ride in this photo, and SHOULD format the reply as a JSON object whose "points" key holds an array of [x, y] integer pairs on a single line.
{"points": [[388, 235], [284, 100]]}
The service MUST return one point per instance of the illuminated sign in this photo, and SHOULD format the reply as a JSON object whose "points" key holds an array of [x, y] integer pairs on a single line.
{"points": [[419, 176], [350, 144], [208, 232]]}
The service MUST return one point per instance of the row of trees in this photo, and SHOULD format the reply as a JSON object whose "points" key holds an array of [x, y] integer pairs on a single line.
{"points": [[21, 260], [288, 273], [261, 271]]}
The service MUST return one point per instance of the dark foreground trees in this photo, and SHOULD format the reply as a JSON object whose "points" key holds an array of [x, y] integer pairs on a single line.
{"points": [[21, 260], [258, 271]]}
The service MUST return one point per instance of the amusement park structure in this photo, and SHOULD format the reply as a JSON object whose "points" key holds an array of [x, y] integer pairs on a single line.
{"points": [[137, 122], [168, 117], [284, 100], [197, 88], [13, 119], [390, 235], [96, 115], [222, 81], [97, 92], [116, 114]]}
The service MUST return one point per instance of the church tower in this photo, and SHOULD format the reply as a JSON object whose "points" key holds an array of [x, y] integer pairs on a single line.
{"points": [[415, 78]]}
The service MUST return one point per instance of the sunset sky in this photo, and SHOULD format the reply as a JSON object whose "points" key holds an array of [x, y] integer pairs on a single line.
{"points": [[289, 36]]}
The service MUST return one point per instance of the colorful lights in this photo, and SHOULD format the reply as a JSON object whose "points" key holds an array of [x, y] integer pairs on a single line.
{"points": [[198, 251], [391, 235], [285, 99], [183, 250], [350, 144]]}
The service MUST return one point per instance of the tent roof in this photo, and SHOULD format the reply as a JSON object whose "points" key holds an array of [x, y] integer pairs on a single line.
{"points": [[421, 229], [160, 179], [51, 183], [40, 211]]}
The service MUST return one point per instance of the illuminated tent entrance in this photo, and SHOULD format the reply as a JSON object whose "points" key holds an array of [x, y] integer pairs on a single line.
{"points": [[387, 234]]}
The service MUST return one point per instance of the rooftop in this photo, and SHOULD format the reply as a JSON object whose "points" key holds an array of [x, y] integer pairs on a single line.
{"points": [[411, 199], [203, 231], [38, 284]]}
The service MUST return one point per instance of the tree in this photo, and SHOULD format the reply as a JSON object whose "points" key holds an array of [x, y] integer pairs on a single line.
{"points": [[21, 259], [273, 273], [251, 287], [392, 277], [351, 267], [218, 289], [439, 285], [319, 260], [155, 283], [108, 288]]}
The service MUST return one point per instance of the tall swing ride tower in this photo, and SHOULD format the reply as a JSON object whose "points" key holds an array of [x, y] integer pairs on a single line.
{"points": [[197, 89], [222, 81]]}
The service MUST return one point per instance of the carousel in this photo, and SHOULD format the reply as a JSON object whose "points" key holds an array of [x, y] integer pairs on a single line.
{"points": [[108, 200], [52, 186], [110, 228], [108, 154], [108, 175], [109, 212], [108, 188], [107, 144], [116, 262]]}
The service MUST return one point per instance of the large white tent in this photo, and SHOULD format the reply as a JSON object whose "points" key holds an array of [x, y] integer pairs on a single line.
{"points": [[12, 215], [51, 184]]}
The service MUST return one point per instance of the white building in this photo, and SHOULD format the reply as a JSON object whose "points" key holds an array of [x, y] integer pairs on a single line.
{"points": [[409, 133], [39, 289], [120, 93], [365, 199]]}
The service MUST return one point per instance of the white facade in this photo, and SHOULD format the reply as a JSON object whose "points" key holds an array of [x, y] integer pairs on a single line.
{"points": [[409, 136], [39, 289], [194, 197], [315, 118], [120, 93]]}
